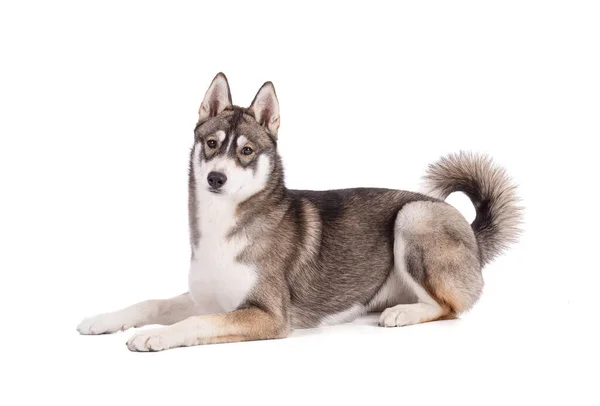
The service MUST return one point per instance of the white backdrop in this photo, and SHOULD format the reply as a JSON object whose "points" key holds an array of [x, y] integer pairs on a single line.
{"points": [[98, 101]]}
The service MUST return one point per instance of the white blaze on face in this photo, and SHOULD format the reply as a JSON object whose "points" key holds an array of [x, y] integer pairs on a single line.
{"points": [[241, 182]]}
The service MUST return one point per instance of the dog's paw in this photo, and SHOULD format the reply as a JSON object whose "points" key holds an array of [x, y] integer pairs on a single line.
{"points": [[105, 324], [398, 316], [155, 340], [406, 314]]}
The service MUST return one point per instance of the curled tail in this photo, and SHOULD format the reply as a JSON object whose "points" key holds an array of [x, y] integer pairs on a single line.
{"points": [[492, 192]]}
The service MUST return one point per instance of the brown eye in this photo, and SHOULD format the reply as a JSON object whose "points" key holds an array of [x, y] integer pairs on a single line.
{"points": [[247, 151], [211, 143]]}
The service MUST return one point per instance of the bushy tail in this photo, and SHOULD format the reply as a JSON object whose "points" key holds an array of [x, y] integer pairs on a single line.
{"points": [[492, 192]]}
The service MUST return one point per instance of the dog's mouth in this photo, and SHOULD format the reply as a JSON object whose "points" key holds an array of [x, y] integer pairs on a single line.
{"points": [[215, 191]]}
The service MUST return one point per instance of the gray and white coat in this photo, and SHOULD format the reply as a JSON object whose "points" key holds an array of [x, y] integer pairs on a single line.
{"points": [[267, 259]]}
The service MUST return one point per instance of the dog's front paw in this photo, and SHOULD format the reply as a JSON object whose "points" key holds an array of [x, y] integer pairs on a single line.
{"points": [[155, 340], [105, 324]]}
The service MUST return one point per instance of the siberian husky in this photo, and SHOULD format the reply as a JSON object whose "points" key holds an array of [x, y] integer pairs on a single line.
{"points": [[267, 259]]}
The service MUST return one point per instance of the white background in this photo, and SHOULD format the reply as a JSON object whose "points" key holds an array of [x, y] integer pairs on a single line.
{"points": [[98, 101]]}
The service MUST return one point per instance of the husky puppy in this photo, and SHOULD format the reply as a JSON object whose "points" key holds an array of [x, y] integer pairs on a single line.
{"points": [[267, 259]]}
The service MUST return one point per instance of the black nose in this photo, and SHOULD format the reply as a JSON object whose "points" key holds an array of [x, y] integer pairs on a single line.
{"points": [[216, 179]]}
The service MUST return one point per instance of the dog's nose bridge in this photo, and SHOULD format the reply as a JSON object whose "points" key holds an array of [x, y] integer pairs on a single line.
{"points": [[220, 164]]}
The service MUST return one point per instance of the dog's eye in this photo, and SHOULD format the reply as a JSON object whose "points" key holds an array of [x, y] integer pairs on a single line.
{"points": [[247, 151], [211, 143]]}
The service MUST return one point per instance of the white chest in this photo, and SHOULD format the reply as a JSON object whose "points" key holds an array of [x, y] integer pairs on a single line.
{"points": [[217, 281]]}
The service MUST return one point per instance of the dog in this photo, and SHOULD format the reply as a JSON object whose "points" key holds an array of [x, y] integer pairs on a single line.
{"points": [[267, 259]]}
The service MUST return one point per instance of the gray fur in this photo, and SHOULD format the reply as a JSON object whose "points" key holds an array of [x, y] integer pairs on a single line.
{"points": [[441, 254], [491, 191]]}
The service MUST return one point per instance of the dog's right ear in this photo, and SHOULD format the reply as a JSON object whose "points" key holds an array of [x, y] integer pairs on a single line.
{"points": [[217, 98]]}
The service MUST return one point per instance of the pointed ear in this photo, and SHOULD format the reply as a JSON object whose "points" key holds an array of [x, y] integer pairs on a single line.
{"points": [[217, 98], [265, 107]]}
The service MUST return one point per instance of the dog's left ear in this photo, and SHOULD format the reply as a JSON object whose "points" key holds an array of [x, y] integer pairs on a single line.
{"points": [[265, 108]]}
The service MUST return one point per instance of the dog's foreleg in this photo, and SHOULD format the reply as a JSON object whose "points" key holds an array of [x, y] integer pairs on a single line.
{"points": [[166, 311], [240, 325]]}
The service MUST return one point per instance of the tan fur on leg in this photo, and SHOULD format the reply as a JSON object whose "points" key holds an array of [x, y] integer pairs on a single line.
{"points": [[240, 325]]}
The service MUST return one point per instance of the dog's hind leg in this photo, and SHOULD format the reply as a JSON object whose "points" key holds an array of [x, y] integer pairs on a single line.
{"points": [[166, 311], [436, 256]]}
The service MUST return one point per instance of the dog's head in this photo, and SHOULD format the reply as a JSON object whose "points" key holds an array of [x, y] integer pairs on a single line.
{"points": [[234, 152]]}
